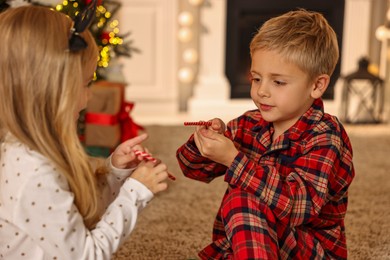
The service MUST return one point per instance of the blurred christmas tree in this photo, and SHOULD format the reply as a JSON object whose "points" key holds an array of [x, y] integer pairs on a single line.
{"points": [[3, 5], [105, 29], [111, 43]]}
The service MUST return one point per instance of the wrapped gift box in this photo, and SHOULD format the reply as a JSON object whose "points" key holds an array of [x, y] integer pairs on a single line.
{"points": [[107, 117], [102, 125]]}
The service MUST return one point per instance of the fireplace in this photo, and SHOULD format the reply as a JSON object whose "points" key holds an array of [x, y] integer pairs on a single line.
{"points": [[244, 17]]}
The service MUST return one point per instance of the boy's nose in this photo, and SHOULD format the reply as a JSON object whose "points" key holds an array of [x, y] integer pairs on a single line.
{"points": [[263, 91]]}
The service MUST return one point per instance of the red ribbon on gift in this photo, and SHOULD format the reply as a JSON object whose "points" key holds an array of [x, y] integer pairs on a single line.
{"points": [[129, 128], [101, 119]]}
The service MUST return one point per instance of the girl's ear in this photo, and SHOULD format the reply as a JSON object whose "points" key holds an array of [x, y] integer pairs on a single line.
{"points": [[320, 85]]}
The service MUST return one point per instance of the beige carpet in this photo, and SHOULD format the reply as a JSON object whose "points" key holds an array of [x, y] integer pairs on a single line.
{"points": [[178, 223]]}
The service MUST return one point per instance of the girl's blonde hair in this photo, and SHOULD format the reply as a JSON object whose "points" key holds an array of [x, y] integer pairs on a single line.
{"points": [[304, 38], [40, 85]]}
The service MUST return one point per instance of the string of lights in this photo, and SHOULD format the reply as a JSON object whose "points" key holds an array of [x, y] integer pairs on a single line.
{"points": [[105, 29], [189, 55]]}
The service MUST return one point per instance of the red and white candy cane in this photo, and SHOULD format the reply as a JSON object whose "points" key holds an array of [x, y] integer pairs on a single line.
{"points": [[145, 155], [148, 157], [197, 123]]}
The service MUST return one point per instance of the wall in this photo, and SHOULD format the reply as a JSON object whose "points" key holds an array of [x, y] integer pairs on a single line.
{"points": [[153, 74]]}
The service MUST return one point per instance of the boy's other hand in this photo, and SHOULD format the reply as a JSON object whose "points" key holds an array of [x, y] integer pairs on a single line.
{"points": [[215, 146], [217, 125]]}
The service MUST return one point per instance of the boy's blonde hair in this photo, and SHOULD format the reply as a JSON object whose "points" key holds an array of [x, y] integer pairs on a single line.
{"points": [[304, 38], [40, 85]]}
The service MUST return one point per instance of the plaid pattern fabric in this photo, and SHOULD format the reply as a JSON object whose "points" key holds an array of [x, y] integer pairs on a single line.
{"points": [[286, 199]]}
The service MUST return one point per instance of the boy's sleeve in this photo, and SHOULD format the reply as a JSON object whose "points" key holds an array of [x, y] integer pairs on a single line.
{"points": [[324, 170], [195, 166]]}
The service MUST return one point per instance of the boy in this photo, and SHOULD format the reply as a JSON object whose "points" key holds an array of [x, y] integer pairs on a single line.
{"points": [[288, 164]]}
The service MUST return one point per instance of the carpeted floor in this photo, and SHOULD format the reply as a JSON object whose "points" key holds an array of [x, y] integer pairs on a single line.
{"points": [[178, 223]]}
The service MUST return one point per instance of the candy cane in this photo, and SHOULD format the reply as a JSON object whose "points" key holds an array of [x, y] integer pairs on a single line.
{"points": [[148, 157], [197, 123], [145, 155]]}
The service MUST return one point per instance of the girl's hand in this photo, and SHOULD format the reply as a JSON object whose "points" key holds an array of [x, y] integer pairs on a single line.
{"points": [[123, 157], [152, 175]]}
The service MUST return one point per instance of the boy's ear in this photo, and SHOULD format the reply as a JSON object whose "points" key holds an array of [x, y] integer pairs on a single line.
{"points": [[320, 85]]}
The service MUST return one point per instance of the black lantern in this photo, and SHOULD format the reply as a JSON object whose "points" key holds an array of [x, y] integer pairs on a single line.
{"points": [[363, 96]]}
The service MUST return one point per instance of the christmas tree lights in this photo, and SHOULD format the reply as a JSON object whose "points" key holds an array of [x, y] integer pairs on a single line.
{"points": [[105, 30]]}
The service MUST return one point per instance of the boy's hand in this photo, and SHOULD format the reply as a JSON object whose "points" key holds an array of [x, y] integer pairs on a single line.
{"points": [[124, 157], [152, 175], [217, 125], [213, 145]]}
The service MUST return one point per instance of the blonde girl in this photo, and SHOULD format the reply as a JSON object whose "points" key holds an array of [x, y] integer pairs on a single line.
{"points": [[53, 205]]}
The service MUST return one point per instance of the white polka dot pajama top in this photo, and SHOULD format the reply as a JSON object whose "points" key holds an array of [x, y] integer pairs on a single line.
{"points": [[38, 217]]}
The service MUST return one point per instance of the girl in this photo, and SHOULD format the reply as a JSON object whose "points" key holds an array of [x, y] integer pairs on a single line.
{"points": [[53, 205]]}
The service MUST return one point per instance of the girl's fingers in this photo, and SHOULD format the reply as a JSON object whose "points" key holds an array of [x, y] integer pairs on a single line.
{"points": [[163, 169], [162, 186], [136, 140], [161, 176], [156, 162]]}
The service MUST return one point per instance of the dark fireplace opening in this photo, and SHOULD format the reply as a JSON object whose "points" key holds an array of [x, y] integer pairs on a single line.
{"points": [[244, 17]]}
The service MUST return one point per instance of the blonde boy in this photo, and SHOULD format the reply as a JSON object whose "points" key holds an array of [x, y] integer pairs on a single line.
{"points": [[288, 164]]}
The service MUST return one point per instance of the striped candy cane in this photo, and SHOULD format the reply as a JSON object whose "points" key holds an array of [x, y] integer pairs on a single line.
{"points": [[145, 155], [197, 123]]}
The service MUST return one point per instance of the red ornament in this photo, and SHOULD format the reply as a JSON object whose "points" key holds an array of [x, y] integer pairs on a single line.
{"points": [[105, 36], [87, 2]]}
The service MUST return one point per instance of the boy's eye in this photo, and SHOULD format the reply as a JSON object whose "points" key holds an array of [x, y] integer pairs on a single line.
{"points": [[279, 83], [254, 79]]}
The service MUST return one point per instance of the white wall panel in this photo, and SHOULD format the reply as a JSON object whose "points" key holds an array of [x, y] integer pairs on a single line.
{"points": [[151, 74]]}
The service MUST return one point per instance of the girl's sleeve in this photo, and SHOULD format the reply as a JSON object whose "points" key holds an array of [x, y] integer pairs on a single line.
{"points": [[111, 182], [46, 212]]}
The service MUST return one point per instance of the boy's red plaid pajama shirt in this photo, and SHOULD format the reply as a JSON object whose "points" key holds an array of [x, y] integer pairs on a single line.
{"points": [[286, 199]]}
